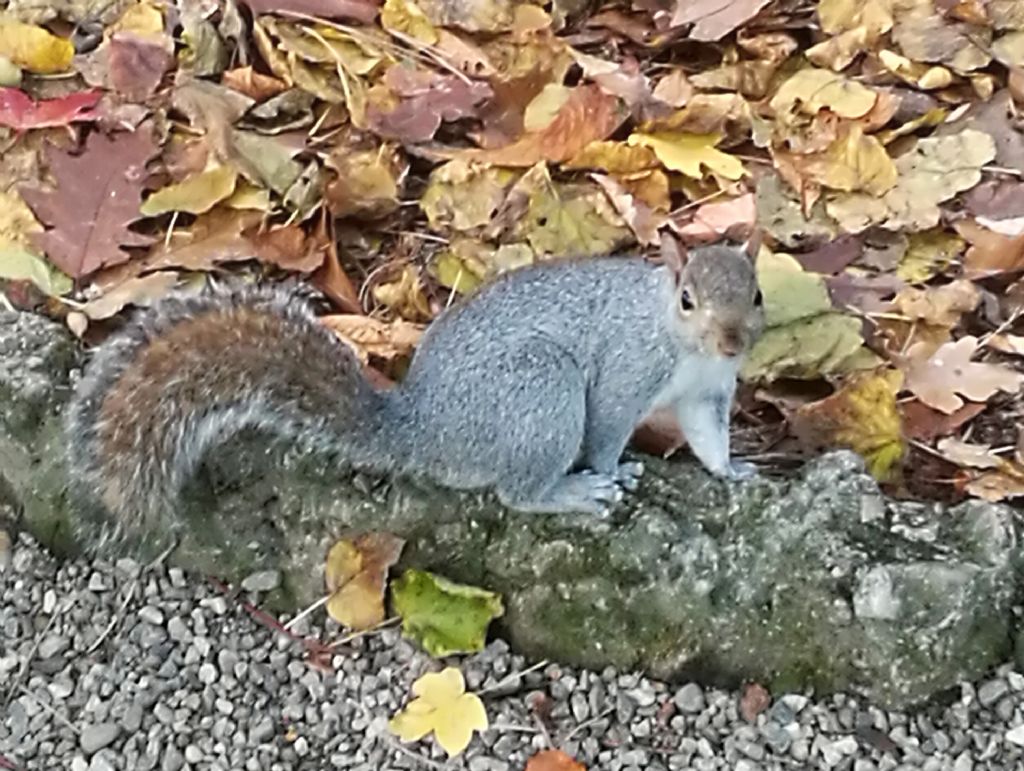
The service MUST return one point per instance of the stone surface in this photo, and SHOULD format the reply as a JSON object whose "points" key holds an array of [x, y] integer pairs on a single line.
{"points": [[794, 584]]}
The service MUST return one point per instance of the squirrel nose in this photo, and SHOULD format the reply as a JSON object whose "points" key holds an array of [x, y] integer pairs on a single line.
{"points": [[730, 342]]}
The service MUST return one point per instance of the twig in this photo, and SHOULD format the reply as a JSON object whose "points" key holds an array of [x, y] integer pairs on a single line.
{"points": [[513, 676], [523, 729], [48, 708], [119, 616], [31, 655], [388, 622], [396, 745], [1003, 170], [1001, 328], [318, 604], [587, 723]]}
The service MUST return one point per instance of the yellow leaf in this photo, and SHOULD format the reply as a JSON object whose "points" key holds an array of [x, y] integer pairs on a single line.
{"points": [[405, 17], [444, 708], [195, 195], [813, 89], [405, 295], [34, 48], [463, 195], [355, 574], [858, 162], [861, 416], [141, 19], [687, 153], [928, 254], [613, 157], [544, 107]]}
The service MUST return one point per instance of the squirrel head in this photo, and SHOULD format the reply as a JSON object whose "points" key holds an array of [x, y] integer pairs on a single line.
{"points": [[716, 295]]}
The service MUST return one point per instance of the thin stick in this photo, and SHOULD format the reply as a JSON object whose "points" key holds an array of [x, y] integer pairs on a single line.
{"points": [[388, 622], [396, 745], [31, 655], [318, 604], [513, 676], [47, 708], [587, 723]]}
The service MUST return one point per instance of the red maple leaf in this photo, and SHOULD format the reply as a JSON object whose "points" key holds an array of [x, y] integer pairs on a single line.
{"points": [[97, 196], [18, 111]]}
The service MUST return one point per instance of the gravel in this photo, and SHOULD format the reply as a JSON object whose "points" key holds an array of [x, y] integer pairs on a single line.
{"points": [[108, 667]]}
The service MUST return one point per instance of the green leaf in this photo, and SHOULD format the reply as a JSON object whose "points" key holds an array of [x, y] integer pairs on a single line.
{"points": [[19, 264], [442, 616]]}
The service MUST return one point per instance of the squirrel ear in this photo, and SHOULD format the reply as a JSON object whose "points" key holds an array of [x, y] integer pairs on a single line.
{"points": [[672, 254], [753, 244]]}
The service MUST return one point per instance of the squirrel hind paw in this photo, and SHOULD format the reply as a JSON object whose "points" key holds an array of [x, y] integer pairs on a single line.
{"points": [[628, 475], [586, 492]]}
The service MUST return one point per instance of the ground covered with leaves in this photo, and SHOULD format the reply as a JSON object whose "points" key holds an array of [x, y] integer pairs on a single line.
{"points": [[396, 154]]}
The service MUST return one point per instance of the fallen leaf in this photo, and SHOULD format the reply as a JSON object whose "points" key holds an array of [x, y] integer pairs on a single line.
{"points": [[1006, 343], [142, 291], [641, 218], [566, 219], [364, 11], [940, 378], [404, 295], [467, 262], [19, 264], [990, 253], [34, 48], [967, 454], [933, 172], [444, 617], [613, 157], [463, 195], [714, 19], [812, 89], [924, 424], [104, 183], [713, 220], [553, 760], [804, 336], [928, 253], [368, 181], [941, 306], [861, 416], [443, 707], [374, 338], [18, 111], [587, 115], [688, 153], [754, 699], [410, 104], [355, 574], [195, 195]]}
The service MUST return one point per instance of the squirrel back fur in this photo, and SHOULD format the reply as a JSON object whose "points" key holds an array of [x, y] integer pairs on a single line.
{"points": [[532, 386]]}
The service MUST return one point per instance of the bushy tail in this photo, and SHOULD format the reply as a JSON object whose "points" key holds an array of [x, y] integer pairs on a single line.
{"points": [[192, 372]]}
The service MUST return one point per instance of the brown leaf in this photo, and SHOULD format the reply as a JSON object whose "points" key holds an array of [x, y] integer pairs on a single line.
{"points": [[364, 11], [923, 423], [331, 279], [373, 338], [356, 574], [833, 257], [136, 64], [990, 253], [228, 235], [711, 221], [553, 760], [714, 19], [254, 85], [97, 196], [135, 291], [411, 104], [939, 379], [754, 700], [588, 115]]}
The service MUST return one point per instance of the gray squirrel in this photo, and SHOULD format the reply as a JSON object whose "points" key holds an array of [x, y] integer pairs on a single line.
{"points": [[531, 387]]}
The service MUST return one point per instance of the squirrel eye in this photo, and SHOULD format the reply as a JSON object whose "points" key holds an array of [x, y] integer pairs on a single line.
{"points": [[685, 301], [758, 299]]}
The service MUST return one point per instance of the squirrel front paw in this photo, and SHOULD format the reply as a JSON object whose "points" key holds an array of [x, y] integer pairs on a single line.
{"points": [[738, 470]]}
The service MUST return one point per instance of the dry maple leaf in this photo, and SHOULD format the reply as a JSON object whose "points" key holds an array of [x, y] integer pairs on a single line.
{"points": [[937, 379], [356, 572], [587, 115], [553, 760], [96, 197]]}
